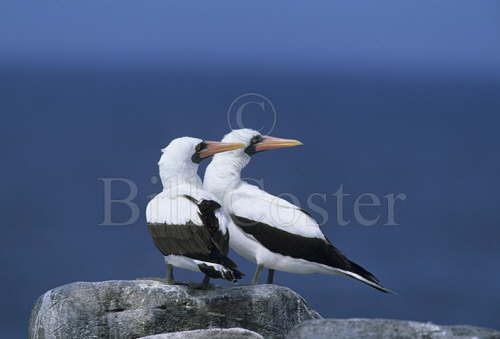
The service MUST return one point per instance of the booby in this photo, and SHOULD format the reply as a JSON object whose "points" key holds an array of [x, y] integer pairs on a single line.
{"points": [[268, 230], [185, 221]]}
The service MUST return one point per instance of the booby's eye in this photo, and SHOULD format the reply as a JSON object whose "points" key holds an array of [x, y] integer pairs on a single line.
{"points": [[196, 157], [256, 139], [200, 146], [251, 149]]}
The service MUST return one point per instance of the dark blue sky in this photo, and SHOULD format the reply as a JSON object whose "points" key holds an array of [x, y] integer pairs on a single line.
{"points": [[387, 97], [437, 34]]}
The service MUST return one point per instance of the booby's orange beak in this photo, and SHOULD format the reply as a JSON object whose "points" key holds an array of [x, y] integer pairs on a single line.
{"points": [[214, 147], [273, 143]]}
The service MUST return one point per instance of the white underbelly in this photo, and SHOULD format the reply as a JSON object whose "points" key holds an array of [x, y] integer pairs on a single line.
{"points": [[242, 244], [284, 263]]}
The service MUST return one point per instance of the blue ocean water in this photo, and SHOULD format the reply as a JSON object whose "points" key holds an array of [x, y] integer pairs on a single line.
{"points": [[430, 135]]}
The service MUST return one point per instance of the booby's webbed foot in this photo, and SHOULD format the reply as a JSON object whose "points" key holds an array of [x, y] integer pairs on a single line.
{"points": [[201, 286], [204, 285]]}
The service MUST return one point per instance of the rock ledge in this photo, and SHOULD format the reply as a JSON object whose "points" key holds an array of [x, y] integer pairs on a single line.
{"points": [[214, 333], [150, 309], [138, 308], [385, 328]]}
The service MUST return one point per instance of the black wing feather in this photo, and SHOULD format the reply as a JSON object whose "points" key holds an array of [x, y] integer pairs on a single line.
{"points": [[299, 247], [201, 242]]}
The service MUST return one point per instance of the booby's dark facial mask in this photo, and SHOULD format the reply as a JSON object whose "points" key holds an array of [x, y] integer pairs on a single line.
{"points": [[261, 143], [206, 149]]}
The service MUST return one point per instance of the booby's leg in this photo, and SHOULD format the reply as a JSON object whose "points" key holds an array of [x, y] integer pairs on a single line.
{"points": [[169, 279], [256, 276], [170, 274], [270, 276]]}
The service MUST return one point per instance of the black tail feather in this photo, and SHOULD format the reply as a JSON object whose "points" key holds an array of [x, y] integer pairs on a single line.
{"points": [[230, 274], [355, 268], [338, 260]]}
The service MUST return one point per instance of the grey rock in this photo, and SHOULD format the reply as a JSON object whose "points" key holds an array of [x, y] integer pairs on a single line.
{"points": [[384, 328], [218, 333], [134, 309]]}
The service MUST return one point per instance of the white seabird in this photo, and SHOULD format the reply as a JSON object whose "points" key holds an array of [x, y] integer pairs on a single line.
{"points": [[268, 230], [185, 221]]}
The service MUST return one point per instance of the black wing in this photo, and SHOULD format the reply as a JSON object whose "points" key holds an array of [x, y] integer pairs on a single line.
{"points": [[201, 242], [299, 247]]}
